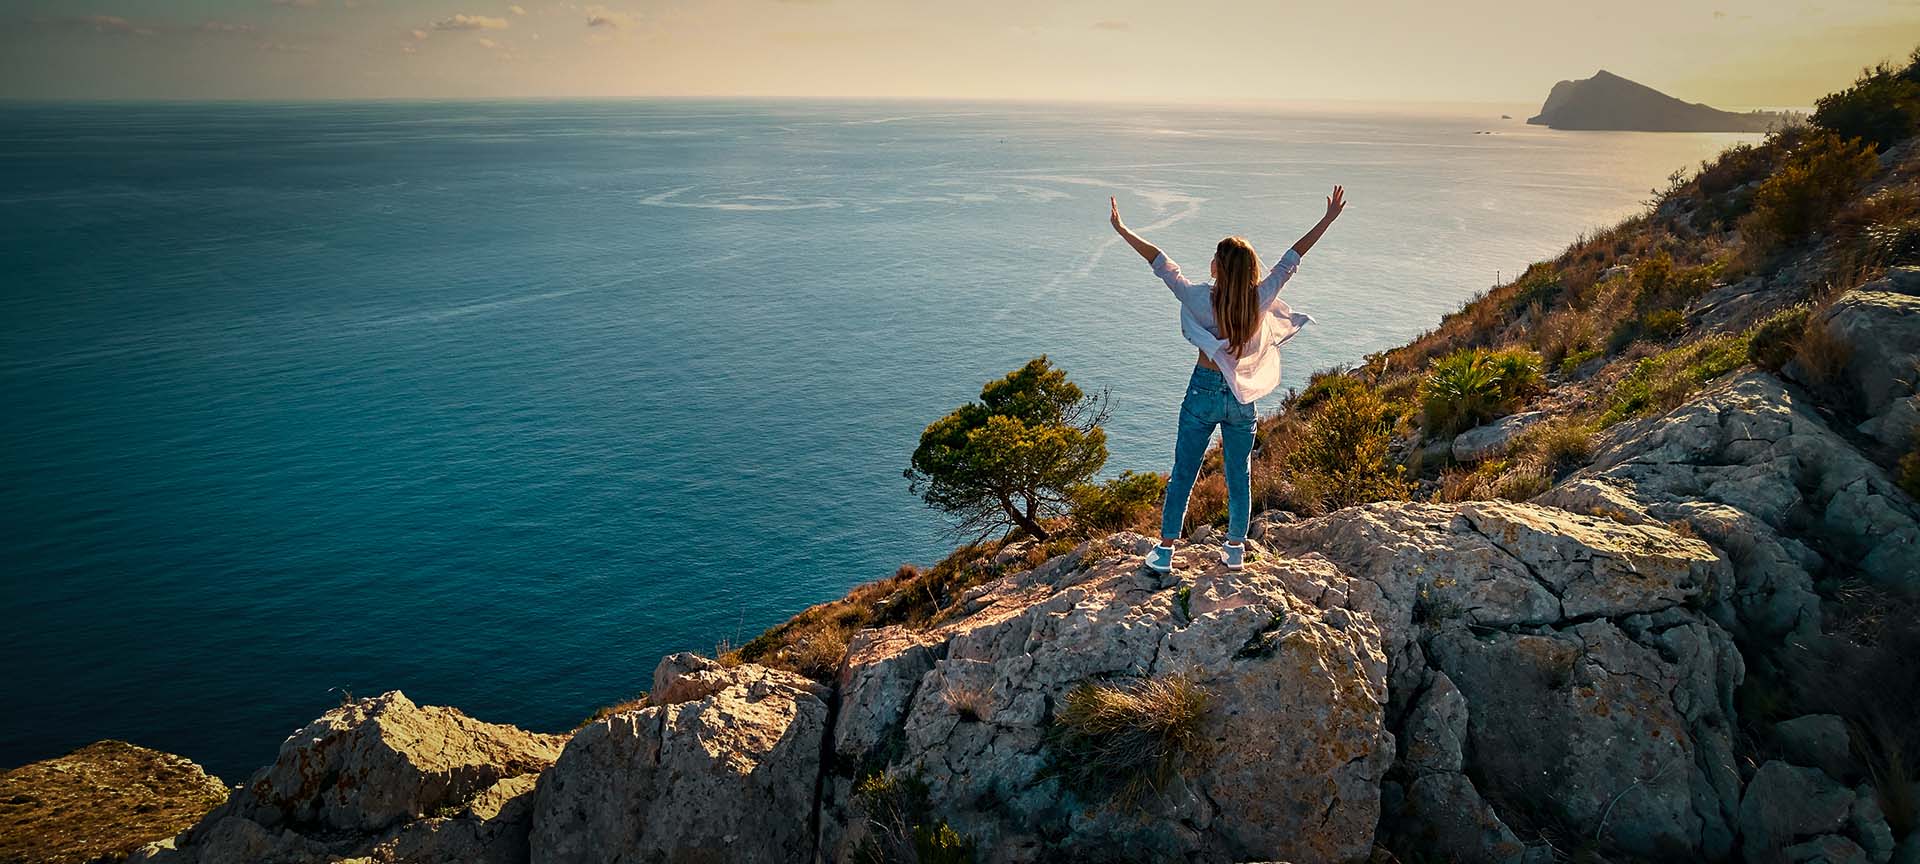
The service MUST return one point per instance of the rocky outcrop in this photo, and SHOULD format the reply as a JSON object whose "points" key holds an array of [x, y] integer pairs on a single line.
{"points": [[1748, 467], [1296, 689], [721, 764], [1467, 680], [101, 801], [1879, 326], [382, 779], [1533, 637], [1609, 102]]}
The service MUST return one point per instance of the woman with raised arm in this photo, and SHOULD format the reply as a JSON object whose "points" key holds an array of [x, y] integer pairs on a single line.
{"points": [[1238, 322]]}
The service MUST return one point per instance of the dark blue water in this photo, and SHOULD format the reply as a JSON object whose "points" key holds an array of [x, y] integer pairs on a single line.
{"points": [[497, 403]]}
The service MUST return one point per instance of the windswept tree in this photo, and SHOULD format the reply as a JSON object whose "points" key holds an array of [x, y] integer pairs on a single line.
{"points": [[1013, 458]]}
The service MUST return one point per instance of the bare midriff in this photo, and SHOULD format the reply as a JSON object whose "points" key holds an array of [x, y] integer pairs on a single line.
{"points": [[1207, 362]]}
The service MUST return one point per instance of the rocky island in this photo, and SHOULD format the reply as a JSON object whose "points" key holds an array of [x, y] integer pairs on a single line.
{"points": [[1619, 563], [1608, 102]]}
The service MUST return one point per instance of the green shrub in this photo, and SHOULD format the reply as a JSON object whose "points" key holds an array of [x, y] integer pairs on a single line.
{"points": [[1663, 323], [1663, 381], [1322, 386], [1340, 458], [1471, 386], [1774, 340], [1558, 444], [1802, 195], [1126, 740], [1883, 106], [1117, 504]]}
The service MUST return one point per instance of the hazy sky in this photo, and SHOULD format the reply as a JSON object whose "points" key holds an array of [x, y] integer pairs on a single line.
{"points": [[1724, 52]]}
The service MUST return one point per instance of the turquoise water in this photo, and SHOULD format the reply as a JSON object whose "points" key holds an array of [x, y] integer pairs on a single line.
{"points": [[497, 403]]}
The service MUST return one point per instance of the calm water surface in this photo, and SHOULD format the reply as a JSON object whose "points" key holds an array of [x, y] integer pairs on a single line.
{"points": [[497, 403]]}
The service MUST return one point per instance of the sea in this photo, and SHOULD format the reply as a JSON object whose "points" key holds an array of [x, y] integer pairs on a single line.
{"points": [[498, 402]]}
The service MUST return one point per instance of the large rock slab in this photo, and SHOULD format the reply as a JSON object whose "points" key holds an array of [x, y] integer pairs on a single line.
{"points": [[721, 764], [1296, 685], [1755, 471], [1881, 330], [1565, 663]]}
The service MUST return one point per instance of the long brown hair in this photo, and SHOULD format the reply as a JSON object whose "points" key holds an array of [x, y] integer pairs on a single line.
{"points": [[1236, 293]]}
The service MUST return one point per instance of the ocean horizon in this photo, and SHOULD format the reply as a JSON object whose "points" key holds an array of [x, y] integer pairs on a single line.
{"points": [[496, 402]]}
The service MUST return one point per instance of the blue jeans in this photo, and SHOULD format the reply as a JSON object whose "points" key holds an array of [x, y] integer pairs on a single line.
{"points": [[1208, 404]]}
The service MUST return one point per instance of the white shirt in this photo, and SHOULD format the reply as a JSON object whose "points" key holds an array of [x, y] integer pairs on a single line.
{"points": [[1257, 372]]}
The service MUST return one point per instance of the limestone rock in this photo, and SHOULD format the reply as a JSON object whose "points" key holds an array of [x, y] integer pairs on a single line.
{"points": [[374, 763], [1898, 426], [1882, 332], [1483, 442], [381, 779], [1748, 444], [1296, 684], [728, 774], [1574, 643]]}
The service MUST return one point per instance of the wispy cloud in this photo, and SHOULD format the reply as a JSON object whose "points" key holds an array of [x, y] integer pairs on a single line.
{"points": [[1113, 25], [470, 22], [517, 10], [110, 24]]}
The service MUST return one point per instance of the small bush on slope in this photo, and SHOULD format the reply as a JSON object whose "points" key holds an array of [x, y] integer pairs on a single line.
{"points": [[1470, 387], [1802, 195], [1776, 338], [1340, 456], [1129, 501]]}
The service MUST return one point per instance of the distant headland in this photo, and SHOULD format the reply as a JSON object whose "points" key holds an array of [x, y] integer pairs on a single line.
{"points": [[1612, 103]]}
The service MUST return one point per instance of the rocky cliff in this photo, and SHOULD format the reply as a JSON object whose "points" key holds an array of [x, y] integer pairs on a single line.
{"points": [[1609, 102], [1485, 681]]}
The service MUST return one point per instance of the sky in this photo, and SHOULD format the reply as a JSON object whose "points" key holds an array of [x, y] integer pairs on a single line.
{"points": [[1726, 53]]}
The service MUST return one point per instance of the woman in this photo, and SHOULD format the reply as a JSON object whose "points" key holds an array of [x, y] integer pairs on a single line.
{"points": [[1238, 323]]}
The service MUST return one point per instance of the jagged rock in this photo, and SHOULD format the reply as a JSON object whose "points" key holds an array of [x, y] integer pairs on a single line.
{"points": [[1897, 427], [1881, 329], [1816, 741], [1748, 444], [374, 763], [728, 774], [1295, 681], [1483, 442], [1574, 643], [1784, 804], [383, 779]]}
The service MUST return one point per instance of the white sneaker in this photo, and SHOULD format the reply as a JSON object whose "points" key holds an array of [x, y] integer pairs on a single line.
{"points": [[1234, 554], [1160, 560]]}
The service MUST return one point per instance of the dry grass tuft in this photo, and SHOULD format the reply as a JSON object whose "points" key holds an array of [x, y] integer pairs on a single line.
{"points": [[1128, 739]]}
